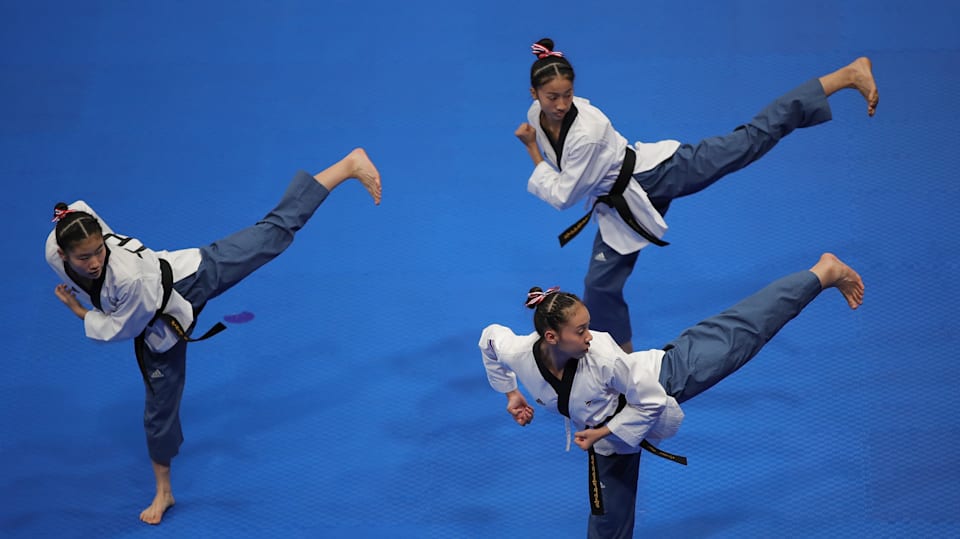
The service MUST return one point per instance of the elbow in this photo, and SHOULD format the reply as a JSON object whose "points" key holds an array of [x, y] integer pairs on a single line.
{"points": [[115, 335], [104, 338], [563, 203], [553, 199]]}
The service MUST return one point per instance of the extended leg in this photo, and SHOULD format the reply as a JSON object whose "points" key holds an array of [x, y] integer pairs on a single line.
{"points": [[716, 347], [695, 167], [226, 262]]}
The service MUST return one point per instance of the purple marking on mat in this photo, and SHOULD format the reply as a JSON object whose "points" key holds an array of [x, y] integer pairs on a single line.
{"points": [[239, 318]]}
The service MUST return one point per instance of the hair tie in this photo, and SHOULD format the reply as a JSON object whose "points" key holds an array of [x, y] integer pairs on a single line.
{"points": [[60, 214], [534, 298], [542, 52]]}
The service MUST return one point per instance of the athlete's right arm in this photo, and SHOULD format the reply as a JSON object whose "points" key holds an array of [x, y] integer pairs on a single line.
{"points": [[584, 167], [528, 136], [501, 376], [518, 408]]}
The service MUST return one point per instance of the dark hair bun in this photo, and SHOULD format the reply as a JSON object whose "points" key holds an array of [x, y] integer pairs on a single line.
{"points": [[59, 207], [547, 43], [532, 291]]}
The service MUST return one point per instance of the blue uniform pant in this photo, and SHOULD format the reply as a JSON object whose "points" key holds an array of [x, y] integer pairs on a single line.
{"points": [[618, 479], [223, 264], [693, 168], [693, 362]]}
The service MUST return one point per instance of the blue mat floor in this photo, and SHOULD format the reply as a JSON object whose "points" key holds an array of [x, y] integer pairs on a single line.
{"points": [[355, 404]]}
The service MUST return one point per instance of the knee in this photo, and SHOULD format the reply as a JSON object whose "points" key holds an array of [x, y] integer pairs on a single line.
{"points": [[593, 284], [604, 278], [162, 453], [608, 271], [164, 437], [281, 229], [161, 425]]}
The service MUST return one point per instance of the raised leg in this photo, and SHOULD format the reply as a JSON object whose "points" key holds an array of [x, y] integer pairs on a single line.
{"points": [[695, 167], [226, 262], [716, 347]]}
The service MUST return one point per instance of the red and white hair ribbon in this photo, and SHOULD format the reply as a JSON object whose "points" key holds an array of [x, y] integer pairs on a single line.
{"points": [[60, 214], [542, 52], [534, 298]]}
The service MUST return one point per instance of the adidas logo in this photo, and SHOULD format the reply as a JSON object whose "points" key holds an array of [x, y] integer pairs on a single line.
{"points": [[156, 374], [600, 257]]}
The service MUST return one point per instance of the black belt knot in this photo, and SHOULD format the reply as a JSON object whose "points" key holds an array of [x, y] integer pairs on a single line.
{"points": [[593, 479], [166, 280], [615, 200]]}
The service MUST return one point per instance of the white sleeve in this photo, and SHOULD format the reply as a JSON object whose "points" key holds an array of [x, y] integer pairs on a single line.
{"points": [[136, 307], [500, 376], [586, 165], [646, 398]]}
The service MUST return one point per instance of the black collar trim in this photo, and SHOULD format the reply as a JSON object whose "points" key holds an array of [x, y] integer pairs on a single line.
{"points": [[564, 129], [562, 387]]}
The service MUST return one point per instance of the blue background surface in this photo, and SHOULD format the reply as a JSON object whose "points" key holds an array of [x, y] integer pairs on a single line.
{"points": [[355, 403]]}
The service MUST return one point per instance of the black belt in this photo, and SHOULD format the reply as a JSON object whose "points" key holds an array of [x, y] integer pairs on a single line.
{"points": [[166, 280], [615, 200], [563, 387], [593, 476]]}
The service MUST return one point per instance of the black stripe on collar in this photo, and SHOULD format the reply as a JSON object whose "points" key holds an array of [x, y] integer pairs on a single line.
{"points": [[562, 387], [564, 129]]}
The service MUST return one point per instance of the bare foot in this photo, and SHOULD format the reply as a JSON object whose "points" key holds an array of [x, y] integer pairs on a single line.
{"points": [[154, 513], [857, 74], [862, 75], [363, 169], [833, 273]]}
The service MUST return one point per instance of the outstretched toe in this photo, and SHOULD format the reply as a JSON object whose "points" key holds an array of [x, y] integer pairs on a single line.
{"points": [[845, 279], [865, 83], [366, 172]]}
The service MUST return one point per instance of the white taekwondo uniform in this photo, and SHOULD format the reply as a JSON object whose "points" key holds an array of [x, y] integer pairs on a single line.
{"points": [[590, 161], [603, 374], [130, 288]]}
